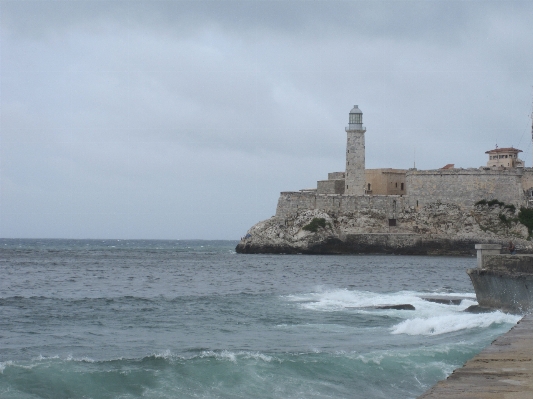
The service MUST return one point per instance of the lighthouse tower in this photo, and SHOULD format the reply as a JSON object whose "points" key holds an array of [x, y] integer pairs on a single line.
{"points": [[355, 154]]}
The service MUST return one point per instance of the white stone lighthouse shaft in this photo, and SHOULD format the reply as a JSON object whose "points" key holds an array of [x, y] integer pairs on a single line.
{"points": [[355, 162]]}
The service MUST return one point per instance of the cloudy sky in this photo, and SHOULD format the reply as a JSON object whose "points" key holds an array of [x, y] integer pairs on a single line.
{"points": [[185, 119]]}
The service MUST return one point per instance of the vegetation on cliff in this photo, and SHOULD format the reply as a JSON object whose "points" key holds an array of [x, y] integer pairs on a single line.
{"points": [[507, 216], [525, 216], [436, 228], [315, 224]]}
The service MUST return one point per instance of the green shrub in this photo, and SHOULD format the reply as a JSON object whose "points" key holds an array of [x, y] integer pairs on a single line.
{"points": [[481, 202], [504, 220], [511, 207], [525, 216], [495, 202], [315, 224]]}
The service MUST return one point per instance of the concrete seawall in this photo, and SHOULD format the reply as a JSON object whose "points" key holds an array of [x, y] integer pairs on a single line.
{"points": [[503, 370], [503, 281]]}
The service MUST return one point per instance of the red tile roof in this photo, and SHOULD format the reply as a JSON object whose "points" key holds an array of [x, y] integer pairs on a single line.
{"points": [[510, 149], [449, 166]]}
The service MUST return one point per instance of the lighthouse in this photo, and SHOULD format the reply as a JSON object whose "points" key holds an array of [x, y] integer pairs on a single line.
{"points": [[355, 153]]}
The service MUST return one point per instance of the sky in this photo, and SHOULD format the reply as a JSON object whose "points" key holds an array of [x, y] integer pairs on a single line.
{"points": [[186, 119]]}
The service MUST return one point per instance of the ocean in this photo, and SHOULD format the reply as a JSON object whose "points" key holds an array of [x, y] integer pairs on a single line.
{"points": [[193, 319]]}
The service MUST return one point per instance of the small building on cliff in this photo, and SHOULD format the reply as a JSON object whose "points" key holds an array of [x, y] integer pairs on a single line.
{"points": [[504, 158]]}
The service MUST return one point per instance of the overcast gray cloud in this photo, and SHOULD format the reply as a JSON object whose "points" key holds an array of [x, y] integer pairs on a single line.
{"points": [[155, 119]]}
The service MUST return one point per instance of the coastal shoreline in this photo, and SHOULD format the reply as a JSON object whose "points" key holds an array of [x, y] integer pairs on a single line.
{"points": [[367, 244], [504, 369]]}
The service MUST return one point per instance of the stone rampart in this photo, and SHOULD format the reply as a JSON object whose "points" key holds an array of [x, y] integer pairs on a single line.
{"points": [[330, 186], [290, 203], [527, 178], [464, 187], [336, 176]]}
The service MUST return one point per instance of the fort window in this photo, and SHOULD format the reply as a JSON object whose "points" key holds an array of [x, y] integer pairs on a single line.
{"points": [[401, 187], [368, 186], [396, 184], [392, 222]]}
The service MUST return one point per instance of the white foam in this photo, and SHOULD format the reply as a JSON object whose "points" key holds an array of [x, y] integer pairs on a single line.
{"points": [[256, 356], [224, 355], [4, 364], [341, 299], [451, 322], [234, 356], [166, 354], [41, 357], [428, 318]]}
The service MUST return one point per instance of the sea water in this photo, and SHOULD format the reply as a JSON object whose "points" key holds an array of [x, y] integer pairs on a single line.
{"points": [[193, 319]]}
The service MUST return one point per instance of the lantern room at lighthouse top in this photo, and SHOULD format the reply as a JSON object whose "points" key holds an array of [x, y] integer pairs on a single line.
{"points": [[355, 121]]}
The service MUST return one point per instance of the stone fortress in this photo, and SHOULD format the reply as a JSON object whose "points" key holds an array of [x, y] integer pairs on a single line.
{"points": [[504, 178], [383, 210]]}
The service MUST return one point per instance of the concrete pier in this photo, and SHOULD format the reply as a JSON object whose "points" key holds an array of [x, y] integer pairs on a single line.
{"points": [[503, 370], [503, 281]]}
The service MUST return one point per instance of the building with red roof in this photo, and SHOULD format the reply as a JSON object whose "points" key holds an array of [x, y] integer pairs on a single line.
{"points": [[504, 158]]}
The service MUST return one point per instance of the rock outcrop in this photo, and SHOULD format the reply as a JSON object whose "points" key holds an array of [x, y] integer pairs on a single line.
{"points": [[435, 229]]}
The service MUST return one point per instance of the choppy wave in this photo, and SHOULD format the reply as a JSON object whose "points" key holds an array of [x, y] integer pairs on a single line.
{"points": [[340, 299], [126, 320], [232, 374], [451, 322], [428, 318]]}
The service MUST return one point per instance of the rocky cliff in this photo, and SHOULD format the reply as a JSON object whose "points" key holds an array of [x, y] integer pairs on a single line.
{"points": [[436, 229]]}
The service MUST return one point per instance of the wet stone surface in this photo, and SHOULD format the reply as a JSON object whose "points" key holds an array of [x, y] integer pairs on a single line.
{"points": [[502, 370]]}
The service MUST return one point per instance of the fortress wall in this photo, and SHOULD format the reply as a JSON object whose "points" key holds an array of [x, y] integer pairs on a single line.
{"points": [[464, 187], [290, 203], [330, 186], [336, 176], [527, 179]]}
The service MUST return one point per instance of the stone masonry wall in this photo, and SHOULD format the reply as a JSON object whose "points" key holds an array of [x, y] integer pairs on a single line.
{"points": [[464, 187], [330, 186], [527, 178], [336, 175], [385, 181], [355, 162], [290, 203]]}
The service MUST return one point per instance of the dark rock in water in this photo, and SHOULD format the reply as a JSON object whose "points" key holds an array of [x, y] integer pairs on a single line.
{"points": [[445, 300], [478, 309], [398, 244], [405, 306]]}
